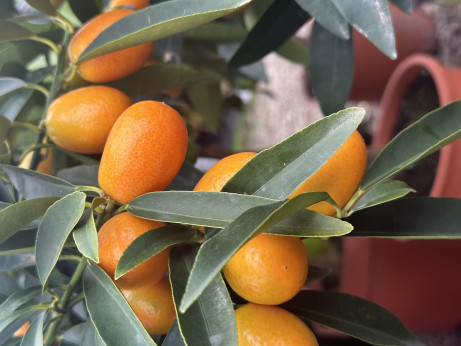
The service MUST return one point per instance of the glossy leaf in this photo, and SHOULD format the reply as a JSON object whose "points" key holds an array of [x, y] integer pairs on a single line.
{"points": [[216, 251], [17, 318], [382, 193], [405, 5], [32, 184], [425, 136], [43, 6], [34, 334], [90, 335], [278, 24], [174, 337], [212, 315], [373, 20], [19, 215], [215, 209], [295, 50], [11, 31], [20, 242], [331, 68], [19, 298], [112, 316], [158, 21], [276, 172], [419, 218], [9, 85], [86, 239], [217, 31], [206, 100], [326, 14], [149, 244], [351, 315], [56, 225]]}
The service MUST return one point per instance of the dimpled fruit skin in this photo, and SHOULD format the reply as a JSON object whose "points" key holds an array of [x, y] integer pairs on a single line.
{"points": [[137, 4], [269, 269], [340, 176], [218, 175], [81, 120], [266, 325], [144, 152], [153, 304], [112, 66], [115, 236]]}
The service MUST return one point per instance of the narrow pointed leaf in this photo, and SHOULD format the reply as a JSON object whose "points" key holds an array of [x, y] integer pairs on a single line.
{"points": [[9, 85], [158, 21], [112, 316], [16, 261], [86, 239], [276, 172], [56, 225], [382, 193], [351, 315], [20, 242], [90, 335], [218, 210], [326, 13], [174, 336], [20, 315], [34, 334], [212, 314], [12, 31], [294, 50], [19, 215], [18, 298], [278, 24], [206, 99], [32, 184], [43, 6], [373, 20], [149, 244], [217, 31], [425, 136], [418, 218], [405, 5], [4, 127], [331, 68]]}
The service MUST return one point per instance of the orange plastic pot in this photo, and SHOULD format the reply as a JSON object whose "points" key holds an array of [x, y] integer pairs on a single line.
{"points": [[418, 280], [414, 33]]}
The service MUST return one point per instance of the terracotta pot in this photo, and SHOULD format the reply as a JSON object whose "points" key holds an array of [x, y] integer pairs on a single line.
{"points": [[414, 33], [418, 280]]}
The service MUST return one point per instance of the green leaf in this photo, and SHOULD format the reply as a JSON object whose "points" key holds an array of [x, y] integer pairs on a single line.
{"points": [[149, 244], [34, 334], [4, 127], [373, 20], [415, 218], [158, 21], [86, 175], [326, 14], [174, 337], [276, 172], [186, 179], [216, 251], [90, 335], [425, 136], [19, 215], [206, 99], [85, 10], [16, 261], [405, 5], [331, 68], [12, 32], [19, 298], [32, 184], [43, 6], [382, 193], [20, 242], [351, 315], [218, 209], [86, 239], [212, 315], [294, 50], [279, 23], [9, 85], [112, 316], [217, 31], [56, 225], [16, 319]]}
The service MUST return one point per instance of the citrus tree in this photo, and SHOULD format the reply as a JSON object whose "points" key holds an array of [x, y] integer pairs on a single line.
{"points": [[125, 242]]}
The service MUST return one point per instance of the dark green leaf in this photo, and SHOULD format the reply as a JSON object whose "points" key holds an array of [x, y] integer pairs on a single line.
{"points": [[16, 261], [86, 239], [326, 14], [317, 273], [373, 20], [112, 316], [296, 51], [19, 215], [279, 23], [34, 334], [276, 172], [43, 6], [56, 225], [11, 31], [86, 175], [351, 315], [186, 179], [423, 217], [4, 127], [32, 184], [216, 251], [174, 337], [384, 192], [217, 31], [206, 100], [18, 298], [149, 244], [90, 335], [211, 319], [158, 21], [9, 85], [85, 10], [405, 5], [20, 242], [425, 136], [16, 319], [331, 68], [217, 209]]}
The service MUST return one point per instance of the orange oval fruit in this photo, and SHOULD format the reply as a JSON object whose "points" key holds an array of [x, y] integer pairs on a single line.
{"points": [[340, 176], [271, 325], [115, 236], [153, 304], [144, 152], [269, 269], [136, 4], [112, 66], [81, 120]]}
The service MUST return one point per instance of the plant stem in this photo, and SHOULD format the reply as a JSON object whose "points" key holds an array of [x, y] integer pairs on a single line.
{"points": [[37, 87], [49, 43]]}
